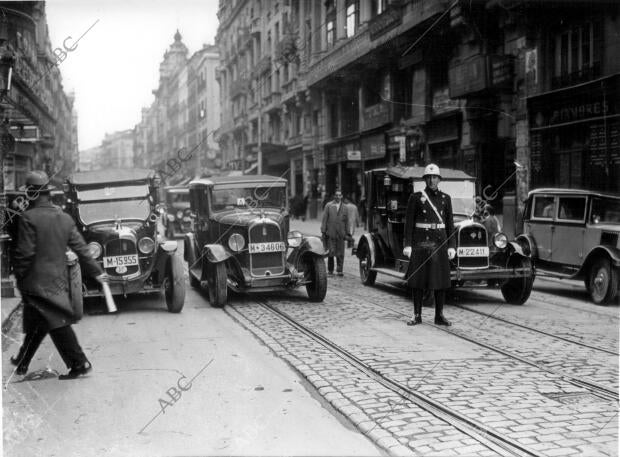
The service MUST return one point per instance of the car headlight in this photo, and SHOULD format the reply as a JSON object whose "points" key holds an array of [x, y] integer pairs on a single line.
{"points": [[294, 238], [170, 217], [500, 240], [179, 214], [146, 245], [236, 242], [95, 249]]}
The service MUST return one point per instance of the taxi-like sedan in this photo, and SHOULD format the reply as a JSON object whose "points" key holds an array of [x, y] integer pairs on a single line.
{"points": [[574, 234], [241, 240]]}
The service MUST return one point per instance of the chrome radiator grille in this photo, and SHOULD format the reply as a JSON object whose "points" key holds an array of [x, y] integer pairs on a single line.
{"points": [[266, 263]]}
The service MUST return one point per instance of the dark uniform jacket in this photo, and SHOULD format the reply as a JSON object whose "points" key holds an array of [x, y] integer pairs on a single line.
{"points": [[40, 264], [429, 267]]}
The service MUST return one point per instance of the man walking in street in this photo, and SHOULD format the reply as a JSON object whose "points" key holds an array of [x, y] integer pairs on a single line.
{"points": [[43, 235], [334, 228], [429, 244]]}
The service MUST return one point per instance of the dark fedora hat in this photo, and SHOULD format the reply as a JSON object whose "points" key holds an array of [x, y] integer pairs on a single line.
{"points": [[37, 181]]}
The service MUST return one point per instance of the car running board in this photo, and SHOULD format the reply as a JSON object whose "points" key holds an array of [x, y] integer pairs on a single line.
{"points": [[389, 272], [556, 274]]}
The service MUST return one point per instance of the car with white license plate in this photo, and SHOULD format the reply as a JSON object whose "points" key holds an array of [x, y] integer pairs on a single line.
{"points": [[241, 240], [481, 258]]}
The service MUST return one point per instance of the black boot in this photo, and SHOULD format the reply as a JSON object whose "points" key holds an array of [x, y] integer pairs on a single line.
{"points": [[418, 298], [440, 298]]}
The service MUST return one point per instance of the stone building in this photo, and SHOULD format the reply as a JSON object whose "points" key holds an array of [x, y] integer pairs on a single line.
{"points": [[117, 150], [35, 111]]}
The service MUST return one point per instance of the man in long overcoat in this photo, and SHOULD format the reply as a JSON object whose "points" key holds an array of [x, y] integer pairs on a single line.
{"points": [[44, 233], [429, 243], [335, 230]]}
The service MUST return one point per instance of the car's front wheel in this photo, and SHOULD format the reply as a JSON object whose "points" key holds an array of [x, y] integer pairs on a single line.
{"points": [[367, 276], [216, 282], [317, 275], [516, 291], [603, 282], [174, 285]]}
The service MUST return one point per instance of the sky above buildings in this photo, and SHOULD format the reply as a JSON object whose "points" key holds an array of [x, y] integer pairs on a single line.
{"points": [[115, 65]]}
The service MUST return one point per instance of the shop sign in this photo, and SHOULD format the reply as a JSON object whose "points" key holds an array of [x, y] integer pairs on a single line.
{"points": [[468, 77], [501, 71], [373, 147], [442, 103], [376, 115], [354, 155]]}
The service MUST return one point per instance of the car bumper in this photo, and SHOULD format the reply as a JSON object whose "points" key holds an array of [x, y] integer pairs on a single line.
{"points": [[289, 280], [491, 273], [137, 285]]}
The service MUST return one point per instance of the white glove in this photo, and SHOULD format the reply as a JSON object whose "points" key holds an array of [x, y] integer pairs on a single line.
{"points": [[451, 253], [407, 251]]}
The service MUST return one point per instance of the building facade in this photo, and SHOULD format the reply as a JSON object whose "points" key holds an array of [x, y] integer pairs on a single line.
{"points": [[37, 115], [117, 150], [519, 94]]}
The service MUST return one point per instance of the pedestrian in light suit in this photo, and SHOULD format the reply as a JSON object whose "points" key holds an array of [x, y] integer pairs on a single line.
{"points": [[429, 244], [335, 230]]}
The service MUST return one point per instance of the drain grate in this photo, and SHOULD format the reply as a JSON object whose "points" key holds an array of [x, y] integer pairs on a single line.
{"points": [[573, 398]]}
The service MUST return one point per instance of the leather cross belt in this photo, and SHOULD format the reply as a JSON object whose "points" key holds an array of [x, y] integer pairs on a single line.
{"points": [[429, 226]]}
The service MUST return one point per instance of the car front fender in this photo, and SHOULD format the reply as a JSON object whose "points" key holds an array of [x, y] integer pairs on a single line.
{"points": [[601, 251], [517, 248], [527, 243], [366, 239], [189, 247], [215, 253], [312, 244], [164, 251]]}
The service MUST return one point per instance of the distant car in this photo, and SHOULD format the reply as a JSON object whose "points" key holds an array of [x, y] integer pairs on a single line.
{"points": [[178, 213], [118, 214], [574, 234], [241, 240], [480, 257]]}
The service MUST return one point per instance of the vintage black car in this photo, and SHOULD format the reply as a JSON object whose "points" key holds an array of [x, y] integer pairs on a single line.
{"points": [[118, 214], [242, 240], [479, 257], [178, 213], [574, 234]]}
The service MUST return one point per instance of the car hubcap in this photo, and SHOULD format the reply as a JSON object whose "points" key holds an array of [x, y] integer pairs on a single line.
{"points": [[600, 283]]}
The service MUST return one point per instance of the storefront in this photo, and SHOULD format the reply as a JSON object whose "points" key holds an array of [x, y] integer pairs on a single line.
{"points": [[574, 136]]}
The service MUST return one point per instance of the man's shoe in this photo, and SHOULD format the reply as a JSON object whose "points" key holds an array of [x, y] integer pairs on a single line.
{"points": [[340, 273], [330, 273], [21, 369], [417, 319], [440, 320], [75, 372]]}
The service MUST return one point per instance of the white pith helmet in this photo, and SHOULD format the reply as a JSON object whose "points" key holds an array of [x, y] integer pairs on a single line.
{"points": [[431, 169]]}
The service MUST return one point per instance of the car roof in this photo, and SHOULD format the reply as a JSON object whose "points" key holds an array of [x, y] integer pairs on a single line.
{"points": [[250, 179], [562, 191], [111, 175], [418, 173]]}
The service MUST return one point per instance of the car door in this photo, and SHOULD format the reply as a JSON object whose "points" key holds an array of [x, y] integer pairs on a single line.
{"points": [[569, 232], [541, 224]]}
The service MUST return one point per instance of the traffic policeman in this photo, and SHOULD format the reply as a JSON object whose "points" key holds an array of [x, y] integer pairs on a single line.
{"points": [[429, 244]]}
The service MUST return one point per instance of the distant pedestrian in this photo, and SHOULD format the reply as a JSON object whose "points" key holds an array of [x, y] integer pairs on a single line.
{"points": [[429, 245], [335, 229], [354, 220], [44, 233]]}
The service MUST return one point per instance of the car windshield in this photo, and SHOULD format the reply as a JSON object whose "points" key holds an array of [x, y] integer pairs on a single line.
{"points": [[178, 199], [462, 194], [113, 203], [605, 210], [243, 197]]}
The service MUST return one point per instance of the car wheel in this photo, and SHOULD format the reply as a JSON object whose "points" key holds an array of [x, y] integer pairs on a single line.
{"points": [[603, 281], [516, 291], [216, 281], [174, 285], [367, 276], [317, 274]]}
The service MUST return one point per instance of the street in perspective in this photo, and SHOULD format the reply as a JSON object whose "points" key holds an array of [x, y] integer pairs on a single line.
{"points": [[310, 228]]}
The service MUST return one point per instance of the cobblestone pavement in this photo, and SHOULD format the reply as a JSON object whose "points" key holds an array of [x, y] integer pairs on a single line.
{"points": [[538, 409]]}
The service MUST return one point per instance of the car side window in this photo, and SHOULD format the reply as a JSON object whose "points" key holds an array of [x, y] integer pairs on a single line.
{"points": [[572, 208], [544, 207]]}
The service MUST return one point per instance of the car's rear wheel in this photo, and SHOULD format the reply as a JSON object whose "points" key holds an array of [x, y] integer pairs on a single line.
{"points": [[367, 276], [317, 274], [216, 282], [603, 282], [174, 285], [516, 291]]}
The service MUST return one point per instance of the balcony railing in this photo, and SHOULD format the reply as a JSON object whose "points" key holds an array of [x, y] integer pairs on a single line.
{"points": [[576, 77]]}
